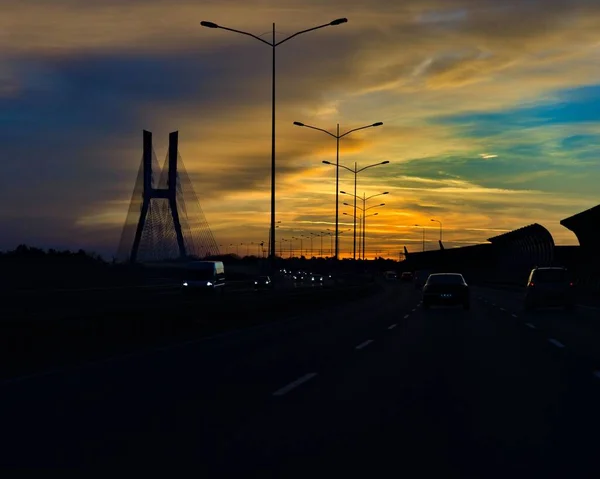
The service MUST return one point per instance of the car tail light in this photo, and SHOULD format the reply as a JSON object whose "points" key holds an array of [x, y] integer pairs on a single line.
{"points": [[531, 285], [570, 284]]}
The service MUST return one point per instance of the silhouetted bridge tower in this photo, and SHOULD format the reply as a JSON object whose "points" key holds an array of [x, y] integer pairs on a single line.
{"points": [[165, 220]]}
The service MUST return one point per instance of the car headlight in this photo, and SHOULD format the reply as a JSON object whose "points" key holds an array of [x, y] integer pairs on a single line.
{"points": [[256, 282], [185, 284], [208, 283]]}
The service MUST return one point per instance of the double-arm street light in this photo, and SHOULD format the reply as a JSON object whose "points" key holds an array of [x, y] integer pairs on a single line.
{"points": [[438, 221], [364, 209], [356, 171], [273, 44], [364, 225], [337, 137]]}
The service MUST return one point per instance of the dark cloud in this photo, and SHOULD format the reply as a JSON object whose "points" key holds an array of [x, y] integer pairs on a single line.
{"points": [[254, 175]]}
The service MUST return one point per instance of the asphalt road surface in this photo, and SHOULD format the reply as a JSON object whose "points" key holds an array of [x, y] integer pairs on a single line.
{"points": [[376, 386]]}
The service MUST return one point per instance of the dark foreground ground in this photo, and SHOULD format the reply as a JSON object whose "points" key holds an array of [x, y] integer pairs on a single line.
{"points": [[372, 386]]}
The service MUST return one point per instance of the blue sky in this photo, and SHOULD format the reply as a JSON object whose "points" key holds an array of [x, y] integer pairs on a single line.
{"points": [[489, 110]]}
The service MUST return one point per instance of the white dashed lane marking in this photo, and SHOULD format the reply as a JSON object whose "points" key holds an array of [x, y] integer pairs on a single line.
{"points": [[365, 344], [294, 385]]}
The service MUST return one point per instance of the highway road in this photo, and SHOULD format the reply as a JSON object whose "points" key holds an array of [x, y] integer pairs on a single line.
{"points": [[374, 386]]}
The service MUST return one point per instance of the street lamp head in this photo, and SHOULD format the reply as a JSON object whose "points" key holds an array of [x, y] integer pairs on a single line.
{"points": [[385, 193], [375, 214], [327, 162], [379, 123], [382, 204], [346, 204], [209, 24], [343, 193], [339, 21], [297, 123], [384, 162]]}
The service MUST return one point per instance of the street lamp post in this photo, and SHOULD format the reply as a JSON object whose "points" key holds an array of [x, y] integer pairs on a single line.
{"points": [[337, 165], [331, 236], [269, 247], [273, 44], [421, 226], [364, 208], [438, 221], [365, 228], [356, 171], [364, 225]]}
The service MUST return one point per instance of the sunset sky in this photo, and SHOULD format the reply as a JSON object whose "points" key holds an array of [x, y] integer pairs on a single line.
{"points": [[491, 112]]}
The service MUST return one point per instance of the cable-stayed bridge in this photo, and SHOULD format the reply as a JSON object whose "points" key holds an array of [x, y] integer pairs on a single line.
{"points": [[165, 220]]}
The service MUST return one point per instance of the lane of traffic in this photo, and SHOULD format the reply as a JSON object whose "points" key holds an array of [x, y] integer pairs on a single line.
{"points": [[578, 329], [447, 392], [124, 401]]}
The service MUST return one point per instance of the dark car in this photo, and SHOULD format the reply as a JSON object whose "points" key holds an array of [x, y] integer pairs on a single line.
{"points": [[262, 282], [446, 289], [406, 276], [549, 287]]}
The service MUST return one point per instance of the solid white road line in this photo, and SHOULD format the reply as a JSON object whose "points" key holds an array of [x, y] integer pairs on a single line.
{"points": [[529, 325], [366, 343], [294, 385], [392, 326], [556, 343]]}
